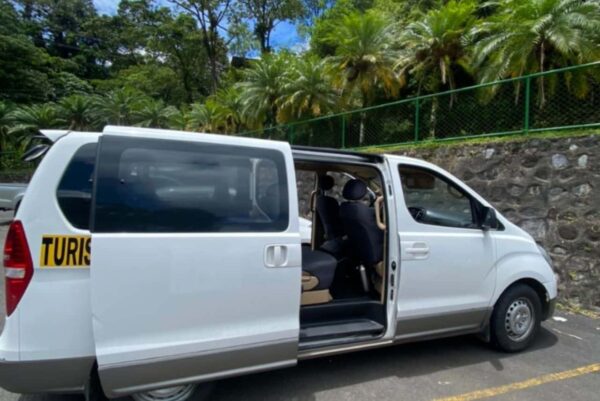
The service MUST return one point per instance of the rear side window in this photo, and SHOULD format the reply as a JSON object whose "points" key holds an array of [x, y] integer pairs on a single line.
{"points": [[150, 185], [74, 192]]}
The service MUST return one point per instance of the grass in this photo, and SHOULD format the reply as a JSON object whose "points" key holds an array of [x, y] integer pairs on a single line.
{"points": [[433, 144], [568, 306]]}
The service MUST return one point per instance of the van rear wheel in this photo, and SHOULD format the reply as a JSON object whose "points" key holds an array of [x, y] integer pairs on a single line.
{"points": [[516, 319], [187, 392]]}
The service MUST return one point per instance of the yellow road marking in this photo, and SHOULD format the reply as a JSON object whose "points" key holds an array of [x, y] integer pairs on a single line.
{"points": [[536, 381]]}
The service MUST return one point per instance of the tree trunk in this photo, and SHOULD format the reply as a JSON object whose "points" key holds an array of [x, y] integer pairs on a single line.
{"points": [[433, 117], [542, 90]]}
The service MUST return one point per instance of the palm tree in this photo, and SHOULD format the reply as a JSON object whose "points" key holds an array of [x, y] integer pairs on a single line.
{"points": [[307, 90], [200, 118], [28, 120], [434, 46], [179, 120], [76, 111], [227, 105], [364, 57], [116, 107], [261, 87], [5, 123], [528, 36], [153, 113]]}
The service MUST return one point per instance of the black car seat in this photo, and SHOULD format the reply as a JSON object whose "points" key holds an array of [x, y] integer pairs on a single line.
{"points": [[318, 270], [364, 236], [327, 208]]}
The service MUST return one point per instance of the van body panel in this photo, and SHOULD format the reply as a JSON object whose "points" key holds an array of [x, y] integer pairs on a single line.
{"points": [[445, 270], [174, 307]]}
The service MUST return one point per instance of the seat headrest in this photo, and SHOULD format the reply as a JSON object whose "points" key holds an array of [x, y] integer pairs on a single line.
{"points": [[326, 182], [354, 190]]}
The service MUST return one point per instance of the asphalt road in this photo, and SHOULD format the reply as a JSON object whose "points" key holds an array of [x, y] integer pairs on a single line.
{"points": [[564, 364]]}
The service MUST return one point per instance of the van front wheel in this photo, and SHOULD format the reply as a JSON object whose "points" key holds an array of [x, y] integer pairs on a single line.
{"points": [[188, 392], [516, 318]]}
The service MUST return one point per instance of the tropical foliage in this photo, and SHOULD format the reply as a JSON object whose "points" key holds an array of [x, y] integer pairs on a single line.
{"points": [[213, 65]]}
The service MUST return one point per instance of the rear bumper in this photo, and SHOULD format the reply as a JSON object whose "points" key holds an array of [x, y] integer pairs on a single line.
{"points": [[46, 376]]}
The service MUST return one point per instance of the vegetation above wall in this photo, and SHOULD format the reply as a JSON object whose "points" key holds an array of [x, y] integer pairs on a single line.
{"points": [[184, 64]]}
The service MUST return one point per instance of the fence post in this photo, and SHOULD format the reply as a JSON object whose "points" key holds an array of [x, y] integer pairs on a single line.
{"points": [[417, 118], [527, 101], [343, 131], [291, 134]]}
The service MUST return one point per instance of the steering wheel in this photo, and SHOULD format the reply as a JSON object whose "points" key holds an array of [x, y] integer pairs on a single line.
{"points": [[417, 212]]}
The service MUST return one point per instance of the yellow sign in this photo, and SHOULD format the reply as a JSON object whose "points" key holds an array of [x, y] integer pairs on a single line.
{"points": [[65, 251]]}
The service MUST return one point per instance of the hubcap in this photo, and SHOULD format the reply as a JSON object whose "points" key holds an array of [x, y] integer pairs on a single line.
{"points": [[519, 320], [177, 393]]}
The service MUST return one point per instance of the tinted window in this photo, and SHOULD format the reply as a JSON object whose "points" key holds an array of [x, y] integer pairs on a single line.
{"points": [[171, 186], [75, 188], [433, 200]]}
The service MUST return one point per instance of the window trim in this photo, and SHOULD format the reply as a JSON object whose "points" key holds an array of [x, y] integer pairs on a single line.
{"points": [[476, 206], [142, 141]]}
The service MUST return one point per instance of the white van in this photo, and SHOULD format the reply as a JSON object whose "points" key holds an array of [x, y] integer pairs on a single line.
{"points": [[142, 262]]}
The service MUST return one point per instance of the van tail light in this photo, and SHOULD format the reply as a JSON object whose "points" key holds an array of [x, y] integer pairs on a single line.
{"points": [[18, 266]]}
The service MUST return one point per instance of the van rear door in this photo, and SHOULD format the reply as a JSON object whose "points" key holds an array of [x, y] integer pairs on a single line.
{"points": [[195, 269]]}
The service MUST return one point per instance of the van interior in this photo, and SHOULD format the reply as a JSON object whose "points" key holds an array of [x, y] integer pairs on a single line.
{"points": [[343, 266]]}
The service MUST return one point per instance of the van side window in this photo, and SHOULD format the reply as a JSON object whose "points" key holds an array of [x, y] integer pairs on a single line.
{"points": [[74, 191], [155, 185], [433, 200]]}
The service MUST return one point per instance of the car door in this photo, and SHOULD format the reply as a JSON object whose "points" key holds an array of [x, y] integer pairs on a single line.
{"points": [[195, 265], [447, 261]]}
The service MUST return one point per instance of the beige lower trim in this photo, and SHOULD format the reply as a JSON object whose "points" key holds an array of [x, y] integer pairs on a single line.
{"points": [[309, 281], [315, 297], [380, 269]]}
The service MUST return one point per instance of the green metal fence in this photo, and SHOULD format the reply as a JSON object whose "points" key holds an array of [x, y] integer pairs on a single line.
{"points": [[566, 98]]}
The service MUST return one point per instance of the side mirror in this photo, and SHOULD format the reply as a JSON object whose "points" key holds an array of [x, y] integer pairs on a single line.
{"points": [[489, 221]]}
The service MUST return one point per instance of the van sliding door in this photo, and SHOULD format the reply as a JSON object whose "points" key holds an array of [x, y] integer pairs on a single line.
{"points": [[195, 265]]}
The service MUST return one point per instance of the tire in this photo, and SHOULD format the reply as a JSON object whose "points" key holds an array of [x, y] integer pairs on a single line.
{"points": [[187, 392], [516, 319]]}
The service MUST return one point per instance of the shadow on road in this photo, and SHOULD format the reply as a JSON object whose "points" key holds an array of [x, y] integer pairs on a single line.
{"points": [[303, 382]]}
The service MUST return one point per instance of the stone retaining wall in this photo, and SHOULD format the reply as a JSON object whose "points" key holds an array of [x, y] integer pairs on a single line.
{"points": [[549, 187]]}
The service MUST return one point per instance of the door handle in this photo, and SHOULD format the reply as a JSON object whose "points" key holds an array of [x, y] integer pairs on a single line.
{"points": [[415, 250], [418, 250], [276, 256]]}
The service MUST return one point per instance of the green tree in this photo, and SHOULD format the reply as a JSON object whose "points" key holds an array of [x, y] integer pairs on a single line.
{"points": [[434, 47], [116, 107], [153, 114], [227, 106], [57, 26], [179, 45], [5, 123], [28, 120], [307, 90], [364, 58], [200, 118], [24, 68], [262, 87], [76, 112], [210, 16], [266, 14], [528, 36]]}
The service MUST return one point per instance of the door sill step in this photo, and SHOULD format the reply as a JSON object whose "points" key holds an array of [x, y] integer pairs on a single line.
{"points": [[339, 329]]}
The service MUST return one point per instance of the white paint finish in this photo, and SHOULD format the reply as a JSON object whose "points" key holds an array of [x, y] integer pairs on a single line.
{"points": [[168, 295], [464, 268], [57, 301], [161, 295], [444, 269]]}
